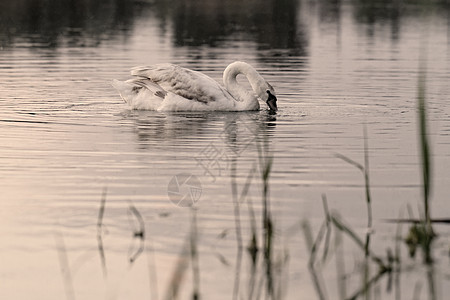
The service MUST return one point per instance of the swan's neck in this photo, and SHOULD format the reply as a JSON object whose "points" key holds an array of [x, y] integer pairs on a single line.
{"points": [[238, 91]]}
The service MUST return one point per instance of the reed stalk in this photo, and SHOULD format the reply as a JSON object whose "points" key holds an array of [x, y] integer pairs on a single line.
{"points": [[101, 250], [266, 161]]}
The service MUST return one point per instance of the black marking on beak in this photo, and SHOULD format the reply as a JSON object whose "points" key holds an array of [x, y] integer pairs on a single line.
{"points": [[272, 102]]}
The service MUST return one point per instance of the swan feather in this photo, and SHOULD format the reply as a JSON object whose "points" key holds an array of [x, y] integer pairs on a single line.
{"points": [[189, 84]]}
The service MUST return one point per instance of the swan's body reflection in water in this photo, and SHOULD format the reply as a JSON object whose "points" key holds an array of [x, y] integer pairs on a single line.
{"points": [[210, 140]]}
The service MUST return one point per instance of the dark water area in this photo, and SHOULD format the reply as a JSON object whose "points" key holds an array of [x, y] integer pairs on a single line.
{"points": [[272, 24], [195, 23], [88, 202]]}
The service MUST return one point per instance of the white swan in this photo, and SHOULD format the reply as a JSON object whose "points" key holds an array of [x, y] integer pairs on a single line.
{"points": [[167, 87]]}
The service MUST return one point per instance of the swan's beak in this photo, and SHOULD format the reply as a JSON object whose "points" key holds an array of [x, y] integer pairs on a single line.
{"points": [[272, 102]]}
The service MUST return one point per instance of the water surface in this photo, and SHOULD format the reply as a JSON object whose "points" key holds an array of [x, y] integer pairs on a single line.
{"points": [[66, 137]]}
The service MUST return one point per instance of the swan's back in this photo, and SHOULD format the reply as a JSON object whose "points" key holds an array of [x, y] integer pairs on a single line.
{"points": [[183, 82]]}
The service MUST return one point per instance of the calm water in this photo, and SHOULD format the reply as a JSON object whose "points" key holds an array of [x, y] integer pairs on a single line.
{"points": [[65, 137]]}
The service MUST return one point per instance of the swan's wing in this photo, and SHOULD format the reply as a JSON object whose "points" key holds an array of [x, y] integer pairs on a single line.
{"points": [[186, 83], [143, 82]]}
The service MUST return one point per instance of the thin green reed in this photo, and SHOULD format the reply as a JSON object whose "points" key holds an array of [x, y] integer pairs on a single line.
{"points": [[426, 177], [265, 161], [194, 256], [313, 246], [237, 219], [365, 170], [424, 145], [369, 214], [100, 226]]}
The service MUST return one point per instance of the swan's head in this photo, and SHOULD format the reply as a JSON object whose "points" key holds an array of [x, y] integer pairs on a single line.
{"points": [[267, 94]]}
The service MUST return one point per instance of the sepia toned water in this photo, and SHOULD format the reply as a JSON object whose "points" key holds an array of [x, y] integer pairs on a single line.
{"points": [[68, 142]]}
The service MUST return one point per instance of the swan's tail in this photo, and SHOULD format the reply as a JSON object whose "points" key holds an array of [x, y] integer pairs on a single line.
{"points": [[125, 90]]}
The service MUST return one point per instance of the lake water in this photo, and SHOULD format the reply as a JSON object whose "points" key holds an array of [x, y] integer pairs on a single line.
{"points": [[66, 138]]}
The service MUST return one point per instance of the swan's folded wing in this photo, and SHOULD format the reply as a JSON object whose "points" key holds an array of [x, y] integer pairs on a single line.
{"points": [[186, 83], [157, 73], [143, 82]]}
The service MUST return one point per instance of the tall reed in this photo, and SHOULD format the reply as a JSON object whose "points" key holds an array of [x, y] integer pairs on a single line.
{"points": [[266, 161]]}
